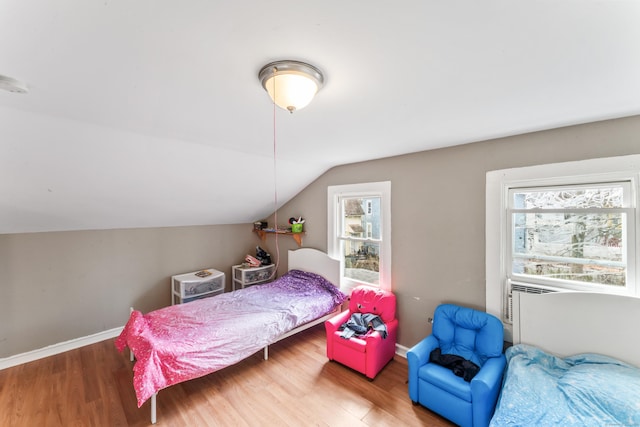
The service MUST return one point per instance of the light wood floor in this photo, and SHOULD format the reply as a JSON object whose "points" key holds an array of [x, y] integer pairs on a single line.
{"points": [[297, 386]]}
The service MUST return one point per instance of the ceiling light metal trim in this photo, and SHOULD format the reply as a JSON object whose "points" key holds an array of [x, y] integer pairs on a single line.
{"points": [[12, 85], [284, 69]]}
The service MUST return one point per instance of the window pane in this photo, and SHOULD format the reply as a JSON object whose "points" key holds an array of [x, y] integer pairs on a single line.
{"points": [[361, 218], [570, 198], [587, 248], [362, 261]]}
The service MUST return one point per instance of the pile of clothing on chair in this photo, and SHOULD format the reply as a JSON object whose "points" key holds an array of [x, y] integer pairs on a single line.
{"points": [[360, 324]]}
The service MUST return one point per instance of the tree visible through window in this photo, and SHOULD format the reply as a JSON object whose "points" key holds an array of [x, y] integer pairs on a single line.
{"points": [[576, 234], [562, 226]]}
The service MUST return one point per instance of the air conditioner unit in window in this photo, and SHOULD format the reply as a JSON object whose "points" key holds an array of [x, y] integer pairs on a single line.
{"points": [[525, 288]]}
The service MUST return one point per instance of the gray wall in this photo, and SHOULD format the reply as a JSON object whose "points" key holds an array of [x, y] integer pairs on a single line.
{"points": [[59, 286], [438, 209], [64, 285]]}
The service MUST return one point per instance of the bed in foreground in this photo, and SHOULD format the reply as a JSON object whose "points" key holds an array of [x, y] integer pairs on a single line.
{"points": [[187, 341], [574, 361]]}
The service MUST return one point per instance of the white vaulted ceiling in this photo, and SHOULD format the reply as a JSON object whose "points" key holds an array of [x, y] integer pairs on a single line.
{"points": [[144, 113]]}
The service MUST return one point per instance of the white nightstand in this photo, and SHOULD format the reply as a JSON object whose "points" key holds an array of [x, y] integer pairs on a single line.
{"points": [[247, 276]]}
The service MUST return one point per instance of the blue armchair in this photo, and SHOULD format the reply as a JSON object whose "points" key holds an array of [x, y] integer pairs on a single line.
{"points": [[474, 335]]}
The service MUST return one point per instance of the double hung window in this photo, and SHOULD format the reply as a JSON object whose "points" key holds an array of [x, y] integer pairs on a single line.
{"points": [[359, 233], [562, 227]]}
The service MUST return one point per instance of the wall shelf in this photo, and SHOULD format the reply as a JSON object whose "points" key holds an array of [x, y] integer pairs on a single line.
{"points": [[296, 236]]}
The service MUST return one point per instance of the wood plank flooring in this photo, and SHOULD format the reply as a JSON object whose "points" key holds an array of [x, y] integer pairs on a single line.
{"points": [[297, 386]]}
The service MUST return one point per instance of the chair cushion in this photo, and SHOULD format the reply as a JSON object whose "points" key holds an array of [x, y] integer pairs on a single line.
{"points": [[444, 379], [471, 334], [353, 343], [365, 299]]}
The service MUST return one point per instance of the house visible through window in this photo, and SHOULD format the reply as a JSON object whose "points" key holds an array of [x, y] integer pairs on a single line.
{"points": [[567, 226], [359, 233], [571, 236]]}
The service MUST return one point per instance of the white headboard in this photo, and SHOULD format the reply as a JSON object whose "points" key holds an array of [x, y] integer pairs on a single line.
{"points": [[315, 261], [567, 323]]}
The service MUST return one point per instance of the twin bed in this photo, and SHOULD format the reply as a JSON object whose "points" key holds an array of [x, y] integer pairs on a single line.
{"points": [[187, 341], [574, 361]]}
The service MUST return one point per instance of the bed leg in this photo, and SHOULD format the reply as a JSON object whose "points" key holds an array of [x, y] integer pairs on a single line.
{"points": [[153, 408], [266, 353]]}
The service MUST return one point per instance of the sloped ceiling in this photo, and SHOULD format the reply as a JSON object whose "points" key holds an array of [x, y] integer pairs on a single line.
{"points": [[144, 113]]}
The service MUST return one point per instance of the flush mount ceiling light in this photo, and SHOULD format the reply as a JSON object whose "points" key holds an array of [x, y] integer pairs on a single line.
{"points": [[12, 85], [291, 84]]}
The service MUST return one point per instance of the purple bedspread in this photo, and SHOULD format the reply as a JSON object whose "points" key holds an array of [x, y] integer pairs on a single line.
{"points": [[186, 341]]}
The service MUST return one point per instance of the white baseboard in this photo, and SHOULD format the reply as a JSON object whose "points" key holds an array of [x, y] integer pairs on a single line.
{"points": [[401, 350], [58, 348]]}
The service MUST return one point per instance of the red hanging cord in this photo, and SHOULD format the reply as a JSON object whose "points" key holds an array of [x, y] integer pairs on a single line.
{"points": [[275, 176]]}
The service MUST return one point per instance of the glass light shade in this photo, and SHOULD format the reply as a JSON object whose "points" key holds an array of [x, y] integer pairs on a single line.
{"points": [[292, 91], [291, 84]]}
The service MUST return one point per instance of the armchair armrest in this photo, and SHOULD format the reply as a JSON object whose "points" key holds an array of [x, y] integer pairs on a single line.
{"points": [[417, 356], [485, 387], [419, 353], [336, 321], [331, 326]]}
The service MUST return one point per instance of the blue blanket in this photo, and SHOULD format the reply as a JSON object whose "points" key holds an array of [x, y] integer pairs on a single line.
{"points": [[540, 389]]}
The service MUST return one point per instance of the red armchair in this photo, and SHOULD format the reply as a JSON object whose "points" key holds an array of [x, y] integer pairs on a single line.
{"points": [[370, 353]]}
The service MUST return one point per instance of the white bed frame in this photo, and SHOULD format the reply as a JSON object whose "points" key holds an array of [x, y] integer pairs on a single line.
{"points": [[568, 323], [312, 261], [305, 259]]}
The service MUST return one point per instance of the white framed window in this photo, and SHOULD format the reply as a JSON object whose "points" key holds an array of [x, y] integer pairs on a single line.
{"points": [[558, 227], [359, 233]]}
